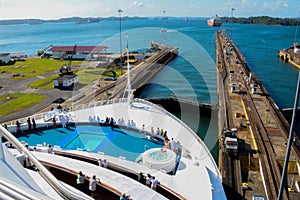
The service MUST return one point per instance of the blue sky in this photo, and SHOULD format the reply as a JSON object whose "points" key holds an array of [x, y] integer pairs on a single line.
{"points": [[53, 9]]}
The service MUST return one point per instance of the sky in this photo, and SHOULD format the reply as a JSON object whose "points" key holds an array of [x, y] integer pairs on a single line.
{"points": [[54, 9]]}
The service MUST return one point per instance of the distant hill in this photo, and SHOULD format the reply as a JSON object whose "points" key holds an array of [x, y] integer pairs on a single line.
{"points": [[64, 20], [262, 20]]}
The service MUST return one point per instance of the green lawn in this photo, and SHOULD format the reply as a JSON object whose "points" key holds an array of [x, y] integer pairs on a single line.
{"points": [[88, 75], [35, 66], [45, 83], [11, 103]]}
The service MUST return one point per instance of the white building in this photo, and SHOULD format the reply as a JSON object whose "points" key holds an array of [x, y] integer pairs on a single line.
{"points": [[66, 81], [4, 58], [81, 52]]}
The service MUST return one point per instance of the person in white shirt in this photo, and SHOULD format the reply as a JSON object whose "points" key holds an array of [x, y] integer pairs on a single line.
{"points": [[80, 181], [133, 124], [100, 162], [50, 149], [63, 121], [93, 185], [148, 180], [172, 144], [154, 182], [104, 163], [128, 123]]}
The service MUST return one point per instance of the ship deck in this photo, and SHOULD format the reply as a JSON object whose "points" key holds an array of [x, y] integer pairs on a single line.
{"points": [[196, 161]]}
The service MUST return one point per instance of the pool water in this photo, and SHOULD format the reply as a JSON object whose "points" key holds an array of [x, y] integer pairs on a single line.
{"points": [[117, 142], [158, 155]]}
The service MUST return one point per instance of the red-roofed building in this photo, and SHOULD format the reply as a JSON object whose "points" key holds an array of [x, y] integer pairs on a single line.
{"points": [[81, 53]]}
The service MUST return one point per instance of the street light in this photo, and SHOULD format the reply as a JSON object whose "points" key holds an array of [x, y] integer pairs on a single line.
{"points": [[232, 9], [120, 19], [164, 23], [297, 23]]}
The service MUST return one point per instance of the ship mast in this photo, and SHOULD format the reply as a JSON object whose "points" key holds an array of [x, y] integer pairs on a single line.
{"points": [[128, 89]]}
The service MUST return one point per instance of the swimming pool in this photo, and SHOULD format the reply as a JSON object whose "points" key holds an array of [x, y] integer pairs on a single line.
{"points": [[94, 138]]}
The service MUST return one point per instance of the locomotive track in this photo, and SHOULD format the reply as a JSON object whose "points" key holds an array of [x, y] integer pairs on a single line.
{"points": [[261, 120]]}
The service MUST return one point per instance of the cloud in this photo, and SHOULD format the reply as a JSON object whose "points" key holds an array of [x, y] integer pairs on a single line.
{"points": [[277, 6], [7, 4], [282, 4], [134, 4]]}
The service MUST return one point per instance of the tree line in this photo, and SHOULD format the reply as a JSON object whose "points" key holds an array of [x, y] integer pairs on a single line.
{"points": [[262, 20]]}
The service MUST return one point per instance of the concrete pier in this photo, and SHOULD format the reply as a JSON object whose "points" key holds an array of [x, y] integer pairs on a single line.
{"points": [[288, 55], [262, 131], [140, 75]]}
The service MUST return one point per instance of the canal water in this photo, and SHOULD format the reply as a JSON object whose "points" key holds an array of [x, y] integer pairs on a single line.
{"points": [[192, 75]]}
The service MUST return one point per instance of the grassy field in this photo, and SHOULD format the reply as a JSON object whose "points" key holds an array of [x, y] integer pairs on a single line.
{"points": [[10, 103], [88, 75], [33, 67], [45, 83]]}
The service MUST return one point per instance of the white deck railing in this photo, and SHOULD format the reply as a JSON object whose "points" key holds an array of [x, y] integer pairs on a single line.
{"points": [[49, 178], [40, 116]]}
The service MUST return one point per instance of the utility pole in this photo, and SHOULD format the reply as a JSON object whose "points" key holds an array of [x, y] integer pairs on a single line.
{"points": [[232, 9], [120, 20]]}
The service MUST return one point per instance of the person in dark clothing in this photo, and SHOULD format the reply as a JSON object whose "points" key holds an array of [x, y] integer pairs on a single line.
{"points": [[18, 127], [33, 124], [140, 177], [112, 123], [106, 120], [29, 124]]}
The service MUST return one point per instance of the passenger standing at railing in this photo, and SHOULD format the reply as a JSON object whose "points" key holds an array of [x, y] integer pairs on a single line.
{"points": [[99, 162], [104, 163], [141, 177], [152, 133], [172, 144], [54, 122], [80, 181], [63, 121], [148, 180], [50, 149], [33, 124], [162, 132], [154, 182], [143, 130], [165, 135], [167, 143], [128, 124], [29, 124], [133, 124], [67, 120], [112, 123], [93, 185], [122, 121], [157, 131], [18, 124]]}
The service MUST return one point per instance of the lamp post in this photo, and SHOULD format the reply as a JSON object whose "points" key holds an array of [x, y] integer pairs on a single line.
{"points": [[297, 23], [164, 23], [232, 9], [120, 19]]}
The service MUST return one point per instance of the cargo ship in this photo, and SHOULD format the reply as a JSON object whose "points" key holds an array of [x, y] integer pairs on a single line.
{"points": [[214, 21]]}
